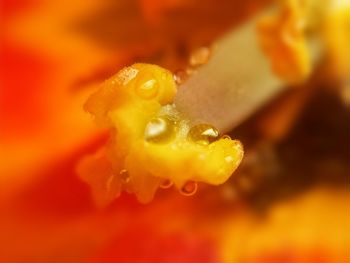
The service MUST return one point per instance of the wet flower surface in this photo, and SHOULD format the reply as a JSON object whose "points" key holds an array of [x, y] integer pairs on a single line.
{"points": [[151, 141], [288, 201]]}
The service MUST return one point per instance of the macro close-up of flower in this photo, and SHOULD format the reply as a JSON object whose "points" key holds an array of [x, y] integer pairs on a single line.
{"points": [[175, 131]]}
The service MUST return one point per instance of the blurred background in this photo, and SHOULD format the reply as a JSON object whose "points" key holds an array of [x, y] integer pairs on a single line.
{"points": [[288, 202]]}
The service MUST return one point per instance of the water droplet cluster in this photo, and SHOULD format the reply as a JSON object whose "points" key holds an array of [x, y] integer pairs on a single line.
{"points": [[152, 145]]}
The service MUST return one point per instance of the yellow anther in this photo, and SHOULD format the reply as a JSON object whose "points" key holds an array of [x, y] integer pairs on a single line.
{"points": [[152, 145]]}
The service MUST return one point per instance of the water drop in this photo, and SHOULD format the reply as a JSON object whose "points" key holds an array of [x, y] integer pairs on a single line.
{"points": [[180, 76], [199, 57], [159, 129], [147, 89], [165, 184], [203, 134], [226, 137], [124, 176], [189, 188]]}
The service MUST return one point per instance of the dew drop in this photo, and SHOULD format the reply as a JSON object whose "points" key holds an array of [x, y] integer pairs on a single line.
{"points": [[165, 184], [124, 176], [180, 76], [226, 137], [203, 134], [199, 56], [147, 89], [159, 129], [189, 188]]}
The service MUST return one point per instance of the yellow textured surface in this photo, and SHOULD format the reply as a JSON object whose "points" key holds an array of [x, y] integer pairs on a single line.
{"points": [[126, 104]]}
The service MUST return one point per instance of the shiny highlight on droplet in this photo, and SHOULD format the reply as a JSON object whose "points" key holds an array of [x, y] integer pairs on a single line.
{"points": [[203, 134], [159, 130]]}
